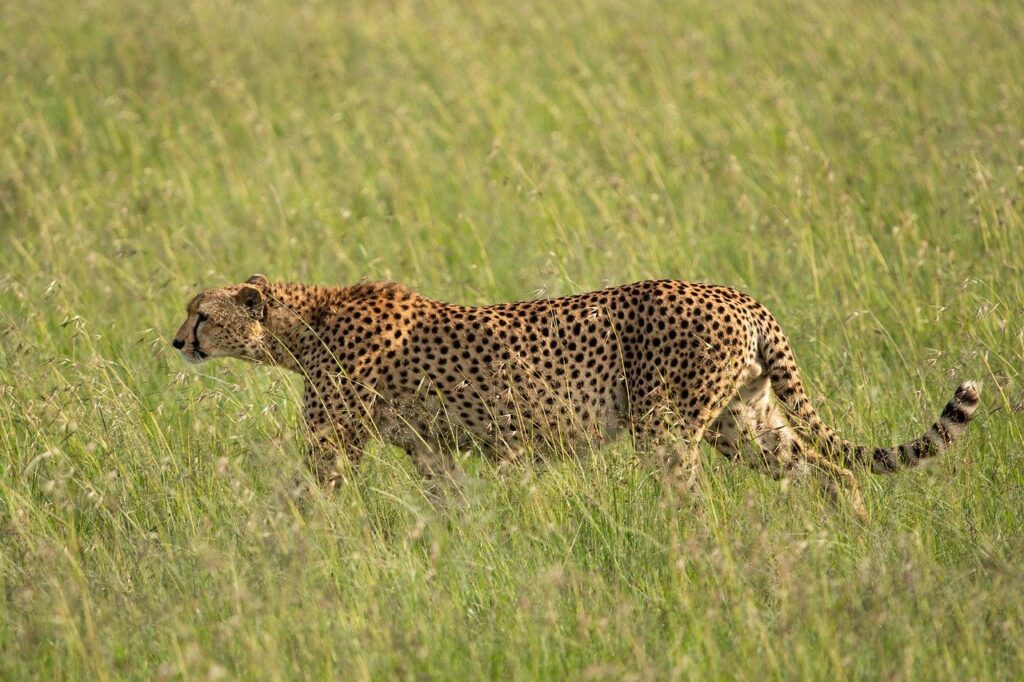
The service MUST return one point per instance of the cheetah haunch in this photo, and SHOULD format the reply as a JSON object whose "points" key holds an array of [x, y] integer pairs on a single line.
{"points": [[656, 358]]}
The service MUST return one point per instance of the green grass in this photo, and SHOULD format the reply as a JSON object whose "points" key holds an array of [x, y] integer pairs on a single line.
{"points": [[857, 166]]}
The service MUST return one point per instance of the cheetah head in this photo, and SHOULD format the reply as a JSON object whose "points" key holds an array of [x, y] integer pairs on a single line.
{"points": [[226, 322]]}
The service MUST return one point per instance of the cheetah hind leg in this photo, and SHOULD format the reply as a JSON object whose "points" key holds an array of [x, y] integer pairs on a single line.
{"points": [[664, 436], [751, 429]]}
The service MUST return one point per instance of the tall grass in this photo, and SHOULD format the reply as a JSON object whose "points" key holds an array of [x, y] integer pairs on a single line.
{"points": [[856, 166]]}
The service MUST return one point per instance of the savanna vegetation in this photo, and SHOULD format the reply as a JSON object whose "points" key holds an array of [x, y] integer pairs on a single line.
{"points": [[857, 166]]}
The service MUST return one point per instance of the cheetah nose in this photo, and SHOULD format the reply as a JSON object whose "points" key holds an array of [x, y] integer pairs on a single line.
{"points": [[178, 343]]}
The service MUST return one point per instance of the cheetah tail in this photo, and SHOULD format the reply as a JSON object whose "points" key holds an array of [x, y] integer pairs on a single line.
{"points": [[883, 460]]}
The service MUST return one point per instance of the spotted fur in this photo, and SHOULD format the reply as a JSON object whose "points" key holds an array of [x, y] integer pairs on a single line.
{"points": [[654, 358]]}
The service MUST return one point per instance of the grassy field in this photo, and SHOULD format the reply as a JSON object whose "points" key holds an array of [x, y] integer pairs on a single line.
{"points": [[857, 167]]}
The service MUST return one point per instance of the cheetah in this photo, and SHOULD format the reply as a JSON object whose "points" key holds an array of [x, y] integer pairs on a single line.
{"points": [[652, 359]]}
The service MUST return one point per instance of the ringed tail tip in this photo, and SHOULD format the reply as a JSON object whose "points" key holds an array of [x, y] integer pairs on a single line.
{"points": [[962, 407]]}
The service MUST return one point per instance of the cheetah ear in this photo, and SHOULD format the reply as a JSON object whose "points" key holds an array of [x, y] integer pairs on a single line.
{"points": [[251, 298], [259, 280]]}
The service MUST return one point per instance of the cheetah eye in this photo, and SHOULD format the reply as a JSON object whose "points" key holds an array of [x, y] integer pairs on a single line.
{"points": [[201, 317]]}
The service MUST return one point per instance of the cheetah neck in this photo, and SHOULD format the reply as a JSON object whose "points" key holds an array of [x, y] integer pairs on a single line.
{"points": [[292, 316], [297, 313]]}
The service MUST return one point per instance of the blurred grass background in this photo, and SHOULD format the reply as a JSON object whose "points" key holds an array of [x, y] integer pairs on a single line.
{"points": [[857, 166]]}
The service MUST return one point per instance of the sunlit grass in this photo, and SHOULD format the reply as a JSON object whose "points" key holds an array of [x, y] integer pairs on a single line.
{"points": [[857, 167]]}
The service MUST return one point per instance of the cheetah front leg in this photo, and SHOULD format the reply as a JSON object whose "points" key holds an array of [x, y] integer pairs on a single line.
{"points": [[336, 430], [332, 453]]}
